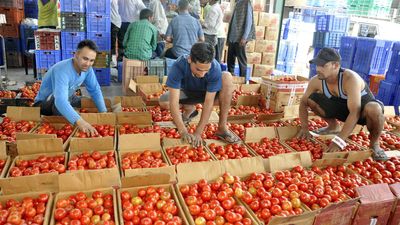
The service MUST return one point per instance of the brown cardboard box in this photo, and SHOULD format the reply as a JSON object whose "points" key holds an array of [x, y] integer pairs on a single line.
{"points": [[268, 59], [128, 103], [260, 32], [259, 5], [216, 156], [36, 133], [253, 58], [89, 105], [268, 19], [148, 90], [5, 157], [377, 202], [271, 34], [238, 80], [130, 69], [261, 70], [135, 84], [265, 46], [250, 46]]}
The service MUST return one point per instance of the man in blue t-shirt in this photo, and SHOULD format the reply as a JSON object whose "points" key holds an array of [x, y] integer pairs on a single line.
{"points": [[57, 91], [197, 78]]}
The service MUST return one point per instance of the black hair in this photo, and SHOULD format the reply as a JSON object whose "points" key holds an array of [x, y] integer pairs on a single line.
{"points": [[183, 4], [145, 14], [202, 52], [88, 43]]}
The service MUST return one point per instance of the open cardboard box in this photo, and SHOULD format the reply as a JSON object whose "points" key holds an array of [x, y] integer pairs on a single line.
{"points": [[191, 173], [214, 118], [145, 86], [128, 102], [134, 84], [32, 149], [141, 119], [221, 143], [34, 134], [395, 215], [250, 100], [4, 156], [137, 143], [253, 89], [88, 182], [89, 106]]}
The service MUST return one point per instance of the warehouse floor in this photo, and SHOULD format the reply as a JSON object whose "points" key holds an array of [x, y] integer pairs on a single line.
{"points": [[18, 78]]}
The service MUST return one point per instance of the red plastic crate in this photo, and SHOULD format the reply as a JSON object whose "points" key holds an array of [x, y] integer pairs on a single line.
{"points": [[12, 4], [13, 15], [47, 40], [9, 30]]}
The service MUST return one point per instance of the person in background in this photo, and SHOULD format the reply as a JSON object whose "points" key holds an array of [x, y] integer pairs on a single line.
{"points": [[115, 26], [194, 8], [197, 78], [183, 31], [57, 92], [161, 23], [219, 48], [204, 7], [47, 14], [141, 37], [129, 11], [241, 30], [212, 22]]}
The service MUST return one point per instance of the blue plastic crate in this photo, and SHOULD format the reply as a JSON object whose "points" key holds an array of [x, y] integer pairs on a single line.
{"points": [[394, 65], [168, 64], [103, 76], [46, 58], [327, 39], [331, 23], [386, 91], [98, 6], [70, 40], [119, 67], [73, 6], [347, 51], [372, 55], [224, 67], [26, 32], [396, 98], [67, 54], [103, 40], [12, 44], [249, 69], [98, 23], [31, 9]]}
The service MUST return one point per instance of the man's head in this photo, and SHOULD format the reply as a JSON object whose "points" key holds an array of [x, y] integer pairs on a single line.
{"points": [[201, 56], [146, 14], [85, 54], [327, 62], [183, 5]]}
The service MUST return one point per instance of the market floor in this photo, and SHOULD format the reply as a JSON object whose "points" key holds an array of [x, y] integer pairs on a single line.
{"points": [[17, 79]]}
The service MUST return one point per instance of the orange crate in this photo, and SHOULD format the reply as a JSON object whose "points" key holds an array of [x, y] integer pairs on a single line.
{"points": [[374, 81], [47, 40], [13, 15], [9, 30]]}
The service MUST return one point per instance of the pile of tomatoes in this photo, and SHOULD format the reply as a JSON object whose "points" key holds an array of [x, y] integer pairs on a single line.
{"points": [[269, 147], [64, 132], [39, 165], [186, 154], [145, 159], [9, 128], [91, 161], [103, 130], [229, 151]]}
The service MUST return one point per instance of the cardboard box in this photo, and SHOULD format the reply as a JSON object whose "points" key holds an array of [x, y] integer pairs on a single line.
{"points": [[5, 157], [88, 105], [265, 46], [250, 46], [38, 133], [244, 100], [260, 32], [150, 93], [253, 58], [216, 156], [130, 69], [271, 33], [258, 5], [395, 215], [261, 70], [142, 80], [376, 203], [238, 80], [128, 104], [255, 17], [268, 59], [268, 19], [138, 118]]}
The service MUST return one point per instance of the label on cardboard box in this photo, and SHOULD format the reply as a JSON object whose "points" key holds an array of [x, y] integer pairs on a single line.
{"points": [[271, 33], [261, 70], [265, 46], [268, 59], [250, 46], [253, 58], [268, 19], [260, 32]]}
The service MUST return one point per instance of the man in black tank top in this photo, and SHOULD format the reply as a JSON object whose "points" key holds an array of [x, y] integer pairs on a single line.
{"points": [[337, 93]]}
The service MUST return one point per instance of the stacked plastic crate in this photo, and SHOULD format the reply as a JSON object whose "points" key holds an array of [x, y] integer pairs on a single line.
{"points": [[14, 12], [99, 30], [47, 49]]}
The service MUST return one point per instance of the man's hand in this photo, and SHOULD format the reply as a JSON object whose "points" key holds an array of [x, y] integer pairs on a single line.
{"points": [[196, 139], [333, 148], [243, 42], [304, 134], [86, 127], [186, 137]]}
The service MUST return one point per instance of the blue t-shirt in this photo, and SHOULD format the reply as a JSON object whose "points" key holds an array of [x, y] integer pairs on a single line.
{"points": [[180, 77]]}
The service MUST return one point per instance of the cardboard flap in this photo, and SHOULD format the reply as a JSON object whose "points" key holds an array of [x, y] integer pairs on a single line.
{"points": [[395, 189], [54, 119], [217, 142], [328, 162], [389, 111], [146, 141], [37, 146], [250, 100], [89, 103], [133, 86], [289, 160], [247, 88], [23, 113], [289, 132], [28, 136], [307, 218], [340, 205], [99, 118], [358, 156], [170, 142], [42, 182], [147, 79], [214, 118], [139, 118], [91, 144], [335, 155], [267, 117], [244, 166], [190, 173], [238, 80], [291, 111], [240, 118], [150, 88], [374, 193], [3, 150], [81, 180], [149, 176], [129, 101], [255, 134]]}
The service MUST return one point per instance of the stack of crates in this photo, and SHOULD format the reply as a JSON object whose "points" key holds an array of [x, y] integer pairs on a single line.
{"points": [[31, 8], [47, 49], [73, 26], [14, 12], [370, 8], [98, 25], [387, 89]]}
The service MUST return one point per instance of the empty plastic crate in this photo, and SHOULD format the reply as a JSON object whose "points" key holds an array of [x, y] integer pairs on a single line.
{"points": [[70, 40], [67, 54], [98, 23], [372, 56], [9, 30], [328, 23], [47, 40], [26, 32], [12, 44], [31, 8], [13, 15], [103, 40], [73, 21], [394, 65], [14, 59], [347, 51], [19, 4], [46, 59], [103, 76], [386, 91], [73, 6], [98, 7], [327, 39]]}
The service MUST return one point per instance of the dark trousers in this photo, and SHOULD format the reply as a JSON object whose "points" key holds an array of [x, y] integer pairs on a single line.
{"points": [[239, 52], [114, 38], [170, 54], [48, 107], [160, 48], [121, 35], [219, 49]]}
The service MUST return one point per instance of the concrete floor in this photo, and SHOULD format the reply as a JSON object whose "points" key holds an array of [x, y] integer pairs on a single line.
{"points": [[17, 76]]}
